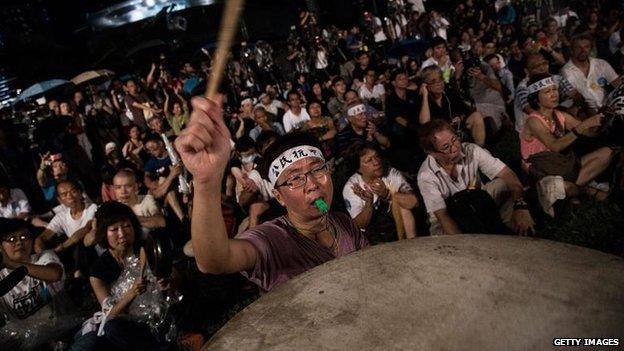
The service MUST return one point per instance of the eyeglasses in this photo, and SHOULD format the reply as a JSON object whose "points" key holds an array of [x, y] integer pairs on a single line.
{"points": [[448, 147], [299, 180], [14, 238]]}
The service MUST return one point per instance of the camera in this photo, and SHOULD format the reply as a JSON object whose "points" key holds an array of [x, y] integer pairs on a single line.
{"points": [[469, 60]]}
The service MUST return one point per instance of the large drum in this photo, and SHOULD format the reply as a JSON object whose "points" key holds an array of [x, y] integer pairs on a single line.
{"points": [[463, 292]]}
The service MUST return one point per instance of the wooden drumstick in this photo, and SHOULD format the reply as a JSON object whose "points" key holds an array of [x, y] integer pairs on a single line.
{"points": [[229, 26]]}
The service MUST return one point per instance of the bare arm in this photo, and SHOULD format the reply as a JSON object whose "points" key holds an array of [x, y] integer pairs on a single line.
{"points": [[425, 114], [240, 132], [49, 273], [42, 239], [166, 104], [331, 132], [42, 178], [182, 101], [521, 220], [205, 149], [160, 189], [76, 237], [150, 75], [513, 183], [492, 83], [383, 140], [406, 200], [537, 130], [448, 224], [362, 220], [102, 291], [402, 121]]}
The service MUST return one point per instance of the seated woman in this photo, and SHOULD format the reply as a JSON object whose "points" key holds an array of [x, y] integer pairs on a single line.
{"points": [[376, 191], [547, 137], [322, 127], [29, 302], [119, 277], [436, 102], [134, 150], [252, 193]]}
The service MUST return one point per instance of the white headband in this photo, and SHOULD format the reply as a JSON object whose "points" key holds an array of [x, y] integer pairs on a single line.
{"points": [[541, 84], [356, 109], [288, 157]]}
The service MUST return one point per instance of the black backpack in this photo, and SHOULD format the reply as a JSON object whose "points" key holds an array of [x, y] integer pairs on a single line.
{"points": [[475, 211]]}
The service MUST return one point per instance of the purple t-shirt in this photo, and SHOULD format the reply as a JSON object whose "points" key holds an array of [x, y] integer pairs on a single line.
{"points": [[283, 253]]}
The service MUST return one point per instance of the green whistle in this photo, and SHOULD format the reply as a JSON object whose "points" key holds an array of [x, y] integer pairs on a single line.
{"points": [[321, 205]]}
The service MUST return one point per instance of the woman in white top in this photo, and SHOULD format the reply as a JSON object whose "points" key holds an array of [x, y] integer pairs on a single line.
{"points": [[375, 187]]}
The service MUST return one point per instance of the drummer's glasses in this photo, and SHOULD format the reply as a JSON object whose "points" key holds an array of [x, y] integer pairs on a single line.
{"points": [[299, 180]]}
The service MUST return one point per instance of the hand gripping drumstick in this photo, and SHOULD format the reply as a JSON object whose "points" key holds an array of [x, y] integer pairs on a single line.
{"points": [[228, 28]]}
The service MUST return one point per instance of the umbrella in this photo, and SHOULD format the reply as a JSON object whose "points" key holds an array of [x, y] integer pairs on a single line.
{"points": [[91, 75], [40, 88]]}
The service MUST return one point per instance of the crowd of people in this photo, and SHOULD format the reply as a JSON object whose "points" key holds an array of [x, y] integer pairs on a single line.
{"points": [[389, 123]]}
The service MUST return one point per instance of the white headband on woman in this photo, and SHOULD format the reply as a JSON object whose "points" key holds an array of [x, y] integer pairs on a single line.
{"points": [[541, 84], [356, 109], [288, 157]]}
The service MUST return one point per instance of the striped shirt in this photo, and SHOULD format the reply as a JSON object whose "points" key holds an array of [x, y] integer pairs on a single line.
{"points": [[436, 185]]}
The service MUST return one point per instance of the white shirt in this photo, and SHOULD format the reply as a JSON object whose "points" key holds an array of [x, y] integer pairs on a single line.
{"points": [[394, 181], [439, 26], [614, 41], [272, 107], [31, 294], [264, 187], [378, 91], [146, 207], [591, 87], [380, 36], [562, 19], [63, 223], [321, 60], [417, 5], [292, 121], [436, 185], [18, 204]]}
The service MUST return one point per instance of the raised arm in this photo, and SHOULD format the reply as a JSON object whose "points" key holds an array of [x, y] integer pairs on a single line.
{"points": [[150, 75], [166, 104], [205, 149], [425, 114]]}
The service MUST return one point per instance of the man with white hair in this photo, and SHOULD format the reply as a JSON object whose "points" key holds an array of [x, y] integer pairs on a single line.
{"points": [[275, 251]]}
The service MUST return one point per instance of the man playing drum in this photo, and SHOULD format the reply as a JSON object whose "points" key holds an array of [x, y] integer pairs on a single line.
{"points": [[271, 253]]}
